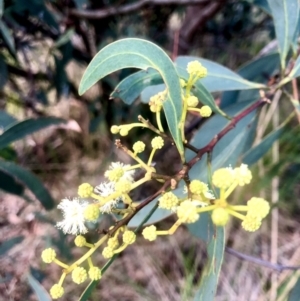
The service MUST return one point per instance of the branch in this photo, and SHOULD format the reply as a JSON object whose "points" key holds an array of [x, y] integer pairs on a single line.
{"points": [[128, 8], [261, 262]]}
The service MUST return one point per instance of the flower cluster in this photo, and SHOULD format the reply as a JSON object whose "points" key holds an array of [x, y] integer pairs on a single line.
{"points": [[202, 200]]}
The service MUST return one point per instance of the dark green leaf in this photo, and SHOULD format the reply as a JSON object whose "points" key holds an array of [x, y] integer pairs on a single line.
{"points": [[40, 292], [285, 16], [21, 129], [64, 38], [140, 54], [7, 37], [1, 8], [8, 153], [9, 184], [30, 181], [3, 73], [8, 244], [219, 78]]}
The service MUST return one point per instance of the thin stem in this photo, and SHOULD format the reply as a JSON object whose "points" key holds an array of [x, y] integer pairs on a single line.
{"points": [[61, 264], [158, 120]]}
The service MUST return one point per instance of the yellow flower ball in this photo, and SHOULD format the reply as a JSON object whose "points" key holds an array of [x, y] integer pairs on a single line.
{"points": [[223, 177], [113, 243], [196, 68], [251, 222], [94, 273], [243, 175], [85, 190], [198, 187], [129, 237], [157, 142], [114, 129], [56, 291], [80, 241], [220, 216], [123, 186], [107, 252], [258, 207], [168, 201], [115, 174], [192, 101], [48, 255], [138, 147], [150, 233], [91, 212], [79, 275], [124, 131], [205, 111], [187, 212]]}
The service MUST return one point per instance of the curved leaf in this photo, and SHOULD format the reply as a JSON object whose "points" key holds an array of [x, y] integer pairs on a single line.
{"points": [[3, 73], [137, 53], [40, 292], [9, 184], [21, 129], [219, 78], [7, 37], [6, 245], [132, 86], [30, 181], [285, 16], [295, 292], [6, 119]]}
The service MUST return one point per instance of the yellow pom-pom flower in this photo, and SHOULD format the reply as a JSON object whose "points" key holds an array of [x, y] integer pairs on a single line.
{"points": [[156, 102], [115, 174], [205, 111], [91, 212], [79, 275], [187, 212], [168, 201], [124, 131], [123, 186], [48, 255], [94, 273], [108, 252], [198, 187], [85, 190], [251, 222], [243, 175], [157, 142], [56, 291], [223, 177], [129, 237], [138, 147], [113, 243], [196, 68], [80, 241], [192, 101], [220, 216], [150, 233], [258, 207], [114, 129]]}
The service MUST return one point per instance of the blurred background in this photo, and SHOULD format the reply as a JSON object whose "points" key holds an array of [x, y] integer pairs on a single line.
{"points": [[45, 46]]}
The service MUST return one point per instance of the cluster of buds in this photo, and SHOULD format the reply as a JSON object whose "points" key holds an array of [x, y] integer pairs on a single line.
{"points": [[201, 200]]}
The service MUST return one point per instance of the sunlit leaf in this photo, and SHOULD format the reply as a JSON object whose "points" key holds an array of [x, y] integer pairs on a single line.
{"points": [[137, 53], [39, 291]]}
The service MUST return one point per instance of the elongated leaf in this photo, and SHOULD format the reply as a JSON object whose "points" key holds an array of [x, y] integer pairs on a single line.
{"points": [[140, 54], [3, 73], [10, 243], [132, 86], [219, 78], [21, 129], [295, 71], [1, 8], [210, 276], [9, 184], [259, 70], [30, 181], [257, 152], [64, 38], [7, 37], [40, 292], [285, 16]]}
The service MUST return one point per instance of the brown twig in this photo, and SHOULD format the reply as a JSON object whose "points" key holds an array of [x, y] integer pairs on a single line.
{"points": [[128, 8], [261, 262], [184, 171]]}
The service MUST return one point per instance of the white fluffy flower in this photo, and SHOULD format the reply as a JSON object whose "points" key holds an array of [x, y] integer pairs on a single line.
{"points": [[128, 174], [105, 189], [73, 222]]}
